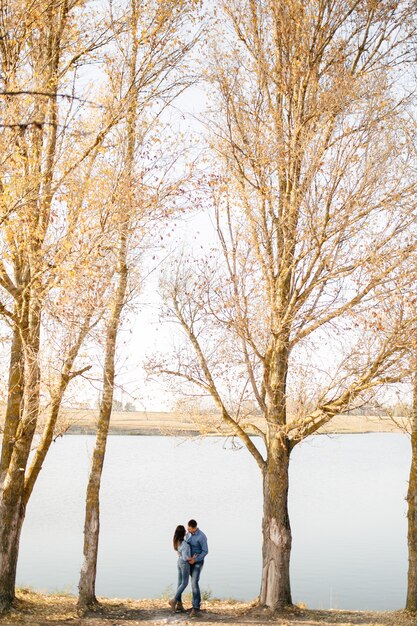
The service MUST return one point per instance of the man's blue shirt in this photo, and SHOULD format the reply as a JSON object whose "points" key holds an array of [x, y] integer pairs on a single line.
{"points": [[198, 544]]}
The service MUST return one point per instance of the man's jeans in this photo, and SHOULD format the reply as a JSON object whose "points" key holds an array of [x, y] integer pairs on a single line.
{"points": [[195, 571], [183, 577]]}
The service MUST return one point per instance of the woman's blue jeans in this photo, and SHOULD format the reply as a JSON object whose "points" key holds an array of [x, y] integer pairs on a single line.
{"points": [[183, 578]]}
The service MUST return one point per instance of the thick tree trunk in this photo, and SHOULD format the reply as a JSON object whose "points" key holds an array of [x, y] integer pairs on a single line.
{"points": [[12, 501], [275, 586], [24, 377], [11, 510], [411, 604], [12, 514]]}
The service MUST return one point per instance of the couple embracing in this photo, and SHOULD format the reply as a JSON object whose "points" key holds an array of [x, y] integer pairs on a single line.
{"points": [[192, 548]]}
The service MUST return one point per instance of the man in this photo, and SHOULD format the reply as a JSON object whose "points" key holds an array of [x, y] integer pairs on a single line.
{"points": [[199, 550]]}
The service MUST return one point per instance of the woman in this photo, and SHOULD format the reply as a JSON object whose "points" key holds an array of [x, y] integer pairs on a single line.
{"points": [[184, 553]]}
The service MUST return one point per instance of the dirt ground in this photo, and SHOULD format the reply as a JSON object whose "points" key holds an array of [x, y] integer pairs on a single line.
{"points": [[52, 610]]}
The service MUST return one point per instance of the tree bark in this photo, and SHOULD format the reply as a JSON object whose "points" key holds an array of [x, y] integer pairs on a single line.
{"points": [[12, 515], [14, 402], [12, 503], [275, 586], [87, 593], [11, 508], [411, 604], [87, 596]]}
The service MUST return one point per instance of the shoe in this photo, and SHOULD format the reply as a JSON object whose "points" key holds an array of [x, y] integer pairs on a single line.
{"points": [[173, 604], [179, 608], [194, 613]]}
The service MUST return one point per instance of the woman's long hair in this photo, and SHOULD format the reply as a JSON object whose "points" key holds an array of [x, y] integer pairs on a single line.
{"points": [[178, 536]]}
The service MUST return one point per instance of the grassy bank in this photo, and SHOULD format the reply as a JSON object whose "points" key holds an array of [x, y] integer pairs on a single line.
{"points": [[40, 609], [84, 421], [184, 425]]}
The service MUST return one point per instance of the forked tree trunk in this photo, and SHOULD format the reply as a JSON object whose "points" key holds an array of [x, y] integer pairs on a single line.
{"points": [[12, 501], [56, 400], [276, 530], [411, 604]]}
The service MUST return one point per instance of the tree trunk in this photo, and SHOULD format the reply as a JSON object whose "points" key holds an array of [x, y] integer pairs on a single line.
{"points": [[87, 597], [411, 604], [276, 550], [14, 402], [11, 509], [12, 503], [12, 516], [87, 591]]}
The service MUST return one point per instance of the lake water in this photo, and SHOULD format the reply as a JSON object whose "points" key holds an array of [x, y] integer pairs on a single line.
{"points": [[347, 507]]}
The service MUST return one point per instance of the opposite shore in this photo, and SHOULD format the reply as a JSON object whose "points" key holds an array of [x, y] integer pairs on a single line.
{"points": [[180, 424], [79, 421]]}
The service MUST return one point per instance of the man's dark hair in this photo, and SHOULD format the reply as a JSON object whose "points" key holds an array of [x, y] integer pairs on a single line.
{"points": [[192, 523]]}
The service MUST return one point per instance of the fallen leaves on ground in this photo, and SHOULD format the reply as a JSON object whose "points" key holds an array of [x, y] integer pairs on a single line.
{"points": [[34, 609]]}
